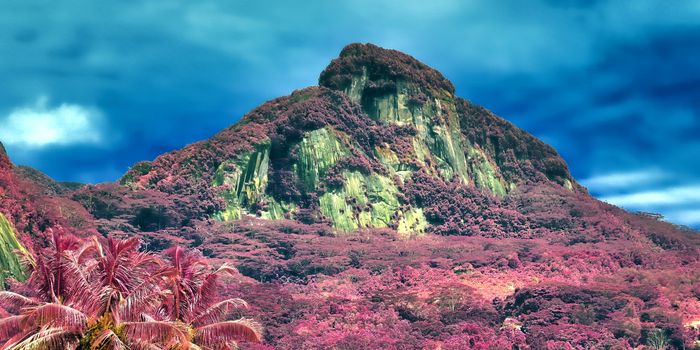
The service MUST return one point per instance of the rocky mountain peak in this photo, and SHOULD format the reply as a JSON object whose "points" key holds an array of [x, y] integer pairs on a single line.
{"points": [[390, 85], [379, 70], [371, 147], [395, 88]]}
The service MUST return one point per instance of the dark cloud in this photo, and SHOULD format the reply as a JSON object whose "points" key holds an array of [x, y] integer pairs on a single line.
{"points": [[614, 86]]}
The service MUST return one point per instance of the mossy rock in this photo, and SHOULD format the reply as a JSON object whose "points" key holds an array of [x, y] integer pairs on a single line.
{"points": [[335, 207], [246, 180], [319, 150], [277, 210], [484, 173], [412, 222], [369, 201], [439, 136]]}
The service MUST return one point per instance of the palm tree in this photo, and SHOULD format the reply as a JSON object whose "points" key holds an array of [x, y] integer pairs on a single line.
{"points": [[48, 318], [120, 286], [108, 295], [86, 295], [194, 302]]}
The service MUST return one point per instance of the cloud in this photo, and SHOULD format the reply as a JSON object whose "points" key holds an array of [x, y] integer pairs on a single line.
{"points": [[679, 204], [662, 197], [40, 125], [690, 217], [650, 190], [623, 180]]}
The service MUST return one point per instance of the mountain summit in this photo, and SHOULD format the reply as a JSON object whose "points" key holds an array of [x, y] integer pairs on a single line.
{"points": [[355, 150]]}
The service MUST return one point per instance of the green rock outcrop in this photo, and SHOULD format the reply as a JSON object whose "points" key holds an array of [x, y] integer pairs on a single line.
{"points": [[318, 151], [485, 172], [394, 88], [245, 180], [369, 201], [10, 247], [413, 221], [439, 138]]}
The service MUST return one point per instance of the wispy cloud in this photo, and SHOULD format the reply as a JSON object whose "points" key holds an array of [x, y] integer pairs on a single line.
{"points": [[656, 198], [650, 190], [622, 180], [40, 125], [689, 217]]}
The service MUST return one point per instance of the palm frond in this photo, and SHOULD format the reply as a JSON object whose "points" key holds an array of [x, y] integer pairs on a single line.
{"points": [[26, 260], [80, 287], [228, 269], [144, 299], [218, 311], [228, 331], [57, 315], [207, 293], [122, 267], [141, 345], [13, 300], [107, 340], [88, 250], [193, 346], [11, 326], [155, 331], [9, 343], [147, 318], [47, 338], [43, 280], [141, 259]]}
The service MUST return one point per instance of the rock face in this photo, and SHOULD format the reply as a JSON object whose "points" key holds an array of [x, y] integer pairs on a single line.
{"points": [[462, 139], [345, 151]]}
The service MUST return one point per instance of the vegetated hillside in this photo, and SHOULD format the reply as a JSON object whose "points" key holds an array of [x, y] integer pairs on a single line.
{"points": [[379, 210]]}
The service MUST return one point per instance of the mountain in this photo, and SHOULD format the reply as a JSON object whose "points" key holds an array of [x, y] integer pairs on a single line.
{"points": [[380, 210], [357, 151]]}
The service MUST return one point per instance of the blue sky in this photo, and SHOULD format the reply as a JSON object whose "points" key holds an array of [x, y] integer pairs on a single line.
{"points": [[90, 87]]}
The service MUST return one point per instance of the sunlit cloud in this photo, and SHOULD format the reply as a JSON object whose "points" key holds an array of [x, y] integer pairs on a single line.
{"points": [[40, 125]]}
